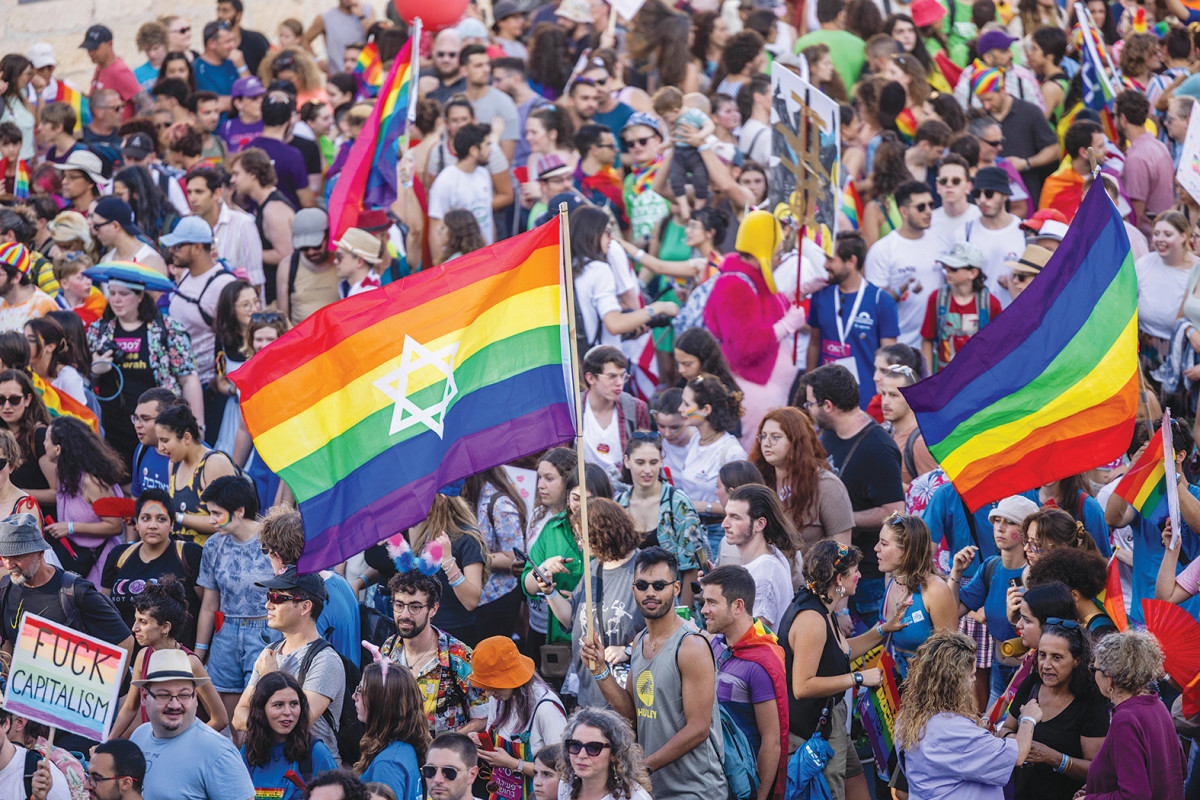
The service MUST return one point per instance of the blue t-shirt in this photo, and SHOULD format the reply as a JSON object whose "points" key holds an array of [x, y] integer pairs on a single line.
{"points": [[397, 767], [992, 598], [1148, 554], [269, 780], [339, 622], [152, 470], [946, 516], [198, 764], [875, 319], [146, 75], [218, 79]]}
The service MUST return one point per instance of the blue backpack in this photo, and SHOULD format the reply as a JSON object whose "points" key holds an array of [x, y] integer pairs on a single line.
{"points": [[740, 762]]}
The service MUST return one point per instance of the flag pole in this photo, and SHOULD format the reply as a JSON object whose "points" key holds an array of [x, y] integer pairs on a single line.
{"points": [[564, 227], [414, 71]]}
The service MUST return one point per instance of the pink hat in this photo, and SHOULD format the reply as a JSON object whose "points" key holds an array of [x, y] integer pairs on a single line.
{"points": [[927, 12]]}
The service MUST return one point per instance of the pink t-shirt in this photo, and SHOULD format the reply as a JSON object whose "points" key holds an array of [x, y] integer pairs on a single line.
{"points": [[118, 77], [1189, 579], [1149, 176]]}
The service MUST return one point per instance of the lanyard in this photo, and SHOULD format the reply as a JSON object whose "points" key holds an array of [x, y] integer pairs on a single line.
{"points": [[837, 311]]}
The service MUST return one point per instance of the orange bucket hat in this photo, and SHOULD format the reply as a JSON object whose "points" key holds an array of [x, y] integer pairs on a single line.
{"points": [[496, 664]]}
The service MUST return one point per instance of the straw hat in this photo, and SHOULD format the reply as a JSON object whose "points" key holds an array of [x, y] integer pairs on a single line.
{"points": [[496, 664], [169, 665]]}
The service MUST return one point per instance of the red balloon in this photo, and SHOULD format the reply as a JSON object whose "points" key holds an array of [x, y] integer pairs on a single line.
{"points": [[434, 14]]}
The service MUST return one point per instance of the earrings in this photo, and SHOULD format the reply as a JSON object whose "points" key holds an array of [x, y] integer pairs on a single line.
{"points": [[841, 591]]}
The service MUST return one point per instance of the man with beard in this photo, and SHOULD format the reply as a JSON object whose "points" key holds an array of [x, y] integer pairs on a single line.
{"points": [[440, 663], [310, 282], [233, 229], [445, 78], [184, 757], [34, 584], [859, 314], [671, 693]]}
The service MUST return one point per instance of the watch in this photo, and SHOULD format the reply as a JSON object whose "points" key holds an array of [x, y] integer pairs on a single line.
{"points": [[858, 679], [629, 651]]}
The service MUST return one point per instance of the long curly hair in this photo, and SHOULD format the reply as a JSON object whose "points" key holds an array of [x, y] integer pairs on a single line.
{"points": [[83, 453], [35, 414], [456, 518], [395, 713], [549, 57], [806, 459], [260, 738], [824, 562], [889, 170], [627, 764], [1080, 646], [709, 390], [938, 682], [611, 531]]}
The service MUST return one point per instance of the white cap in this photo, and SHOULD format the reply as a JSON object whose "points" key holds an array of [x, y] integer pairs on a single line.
{"points": [[41, 55]]}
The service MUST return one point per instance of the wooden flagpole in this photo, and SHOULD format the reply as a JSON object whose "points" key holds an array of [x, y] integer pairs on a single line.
{"points": [[414, 72], [569, 283]]}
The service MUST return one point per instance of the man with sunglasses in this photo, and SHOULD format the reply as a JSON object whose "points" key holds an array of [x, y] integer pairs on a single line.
{"points": [[184, 757], [450, 768], [670, 696], [956, 210], [116, 771], [998, 233], [445, 78], [904, 262], [311, 280]]}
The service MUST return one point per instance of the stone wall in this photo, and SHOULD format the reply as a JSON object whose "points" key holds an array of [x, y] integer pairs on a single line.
{"points": [[62, 23]]}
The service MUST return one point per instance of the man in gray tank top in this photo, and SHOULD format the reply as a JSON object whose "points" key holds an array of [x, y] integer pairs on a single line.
{"points": [[671, 695]]}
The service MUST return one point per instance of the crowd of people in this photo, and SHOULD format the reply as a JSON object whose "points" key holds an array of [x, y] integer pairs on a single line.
{"points": [[763, 515]]}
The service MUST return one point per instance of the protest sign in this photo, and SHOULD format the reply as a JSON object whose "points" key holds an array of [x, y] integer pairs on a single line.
{"points": [[64, 678], [1188, 174], [805, 151], [878, 708]]}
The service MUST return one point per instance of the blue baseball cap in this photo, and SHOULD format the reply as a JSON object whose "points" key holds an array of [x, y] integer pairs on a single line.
{"points": [[190, 230]]}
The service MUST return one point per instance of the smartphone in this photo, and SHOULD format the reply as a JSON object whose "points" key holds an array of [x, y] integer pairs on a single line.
{"points": [[1015, 583], [538, 571], [485, 741]]}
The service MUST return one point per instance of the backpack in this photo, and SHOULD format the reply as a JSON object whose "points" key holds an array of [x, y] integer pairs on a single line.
{"points": [[582, 343], [32, 757], [67, 593], [376, 628], [348, 730], [740, 762], [129, 551], [204, 315]]}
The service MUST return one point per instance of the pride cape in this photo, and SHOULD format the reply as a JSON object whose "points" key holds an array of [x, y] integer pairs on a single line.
{"points": [[372, 403], [368, 179], [1048, 389]]}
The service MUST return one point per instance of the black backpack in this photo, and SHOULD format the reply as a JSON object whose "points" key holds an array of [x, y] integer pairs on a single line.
{"points": [[66, 596], [32, 758], [348, 729]]}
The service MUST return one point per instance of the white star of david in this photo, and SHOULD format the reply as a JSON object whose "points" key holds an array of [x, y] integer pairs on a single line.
{"points": [[395, 386]]}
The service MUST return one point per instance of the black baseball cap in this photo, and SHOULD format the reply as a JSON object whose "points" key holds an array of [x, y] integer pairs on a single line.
{"points": [[314, 584], [96, 36]]}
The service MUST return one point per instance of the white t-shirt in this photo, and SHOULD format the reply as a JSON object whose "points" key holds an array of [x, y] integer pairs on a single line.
{"points": [[675, 455], [603, 444], [12, 779], [773, 586], [638, 793], [70, 381], [547, 725], [596, 293], [471, 191], [755, 141], [894, 260], [1006, 244], [949, 230], [698, 479], [1160, 293]]}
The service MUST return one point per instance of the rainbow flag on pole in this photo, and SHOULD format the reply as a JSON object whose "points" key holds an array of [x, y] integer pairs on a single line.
{"points": [[1049, 389], [878, 708], [1145, 485], [368, 179], [368, 71], [372, 403]]}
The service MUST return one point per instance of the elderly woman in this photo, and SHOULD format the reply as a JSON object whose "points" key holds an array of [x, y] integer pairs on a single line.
{"points": [[1140, 756]]}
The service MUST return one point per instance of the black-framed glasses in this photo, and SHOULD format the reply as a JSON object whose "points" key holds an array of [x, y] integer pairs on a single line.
{"points": [[647, 436], [266, 551], [96, 780], [1069, 624], [658, 586], [1092, 668], [266, 317], [920, 208], [412, 608], [574, 746], [430, 771]]}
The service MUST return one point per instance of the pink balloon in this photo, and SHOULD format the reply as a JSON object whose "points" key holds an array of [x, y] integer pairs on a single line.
{"points": [[434, 14]]}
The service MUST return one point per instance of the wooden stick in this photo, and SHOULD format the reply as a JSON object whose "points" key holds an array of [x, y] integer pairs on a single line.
{"points": [[611, 30], [569, 283]]}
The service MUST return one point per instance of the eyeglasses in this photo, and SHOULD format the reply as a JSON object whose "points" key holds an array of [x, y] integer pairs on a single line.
{"points": [[615, 377], [276, 598], [607, 145], [809, 404], [988, 193], [266, 317], [1069, 624], [167, 697], [1092, 668], [658, 586], [920, 208], [12, 400], [142, 418], [430, 772], [163, 125], [949, 181], [646, 436], [640, 142], [997, 143], [96, 780], [1020, 277], [182, 31], [265, 550], [413, 608], [3, 463], [1033, 547], [770, 438], [593, 748]]}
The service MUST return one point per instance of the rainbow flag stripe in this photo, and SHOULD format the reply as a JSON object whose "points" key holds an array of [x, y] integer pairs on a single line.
{"points": [[65, 94], [368, 179], [368, 71], [1049, 388], [61, 404], [371, 404], [21, 181], [852, 206], [1145, 485]]}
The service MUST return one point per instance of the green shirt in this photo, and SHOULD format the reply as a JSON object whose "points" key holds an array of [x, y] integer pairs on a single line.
{"points": [[847, 51], [556, 539]]}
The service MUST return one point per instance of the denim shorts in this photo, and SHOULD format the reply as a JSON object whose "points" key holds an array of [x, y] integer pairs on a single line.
{"points": [[234, 650]]}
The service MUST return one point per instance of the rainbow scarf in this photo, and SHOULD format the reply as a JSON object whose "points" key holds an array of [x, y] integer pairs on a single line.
{"points": [[760, 645], [368, 71], [20, 181], [643, 177], [65, 94]]}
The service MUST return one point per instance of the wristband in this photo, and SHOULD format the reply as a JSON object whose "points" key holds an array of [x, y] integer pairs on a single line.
{"points": [[880, 631], [1028, 719], [70, 529], [200, 646], [845, 612], [607, 671], [179, 517], [460, 579], [639, 255], [1062, 766]]}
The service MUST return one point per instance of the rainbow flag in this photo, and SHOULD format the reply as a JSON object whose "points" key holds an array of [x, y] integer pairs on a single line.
{"points": [[1098, 93], [1145, 485], [1049, 389], [65, 94], [368, 179], [852, 206], [368, 71], [906, 125], [372, 403], [1113, 598], [878, 708], [643, 177], [61, 404]]}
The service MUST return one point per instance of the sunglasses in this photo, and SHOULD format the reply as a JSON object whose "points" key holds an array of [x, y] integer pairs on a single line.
{"points": [[998, 143], [1092, 668], [646, 436], [920, 208], [641, 142], [593, 748], [183, 30], [441, 54], [266, 316], [658, 586], [278, 598], [988, 193], [12, 400], [1069, 624], [902, 369], [430, 772], [949, 181]]}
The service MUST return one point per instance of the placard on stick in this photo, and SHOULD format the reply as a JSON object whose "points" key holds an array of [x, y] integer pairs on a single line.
{"points": [[63, 678]]}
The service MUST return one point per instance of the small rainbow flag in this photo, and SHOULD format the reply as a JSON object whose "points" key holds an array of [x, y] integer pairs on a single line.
{"points": [[1113, 598], [372, 403], [1067, 351], [61, 404], [1145, 485], [20, 180], [368, 179], [65, 94], [368, 71], [852, 206]]}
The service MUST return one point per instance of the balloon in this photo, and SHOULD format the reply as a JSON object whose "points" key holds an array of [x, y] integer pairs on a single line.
{"points": [[434, 14]]}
